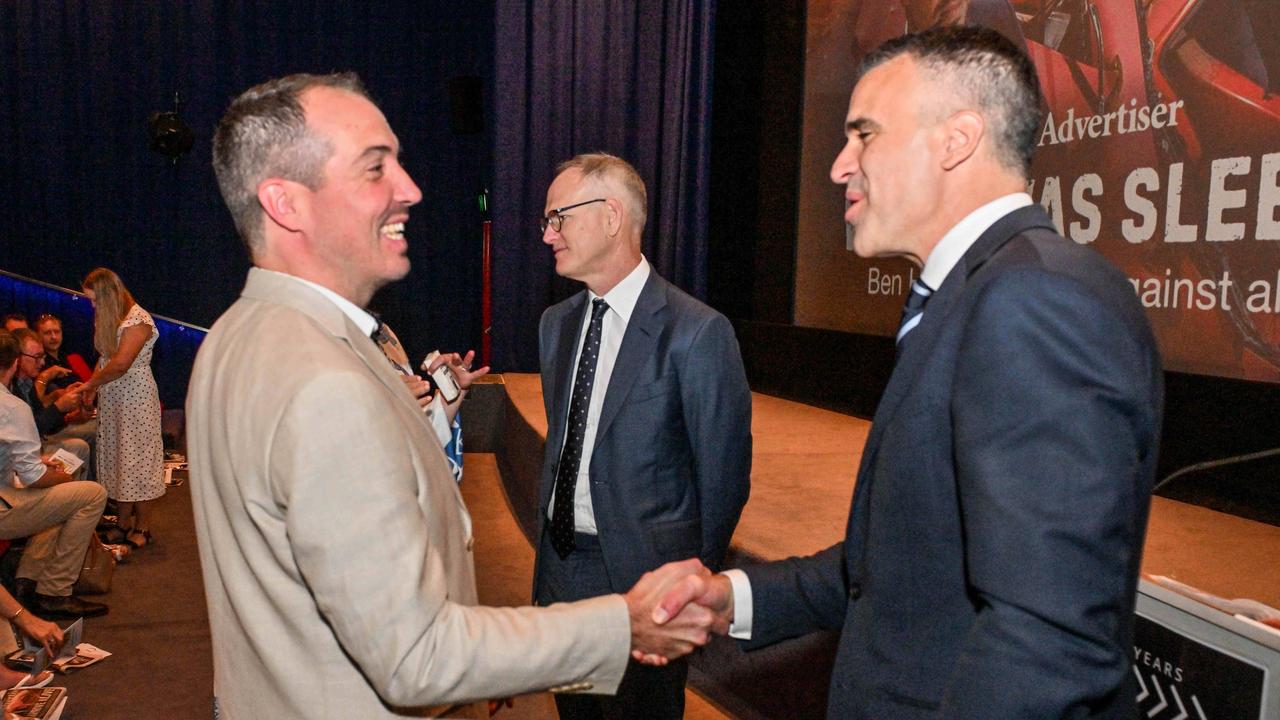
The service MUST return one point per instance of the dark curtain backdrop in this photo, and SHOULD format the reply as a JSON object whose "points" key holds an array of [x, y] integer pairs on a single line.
{"points": [[628, 77], [79, 188]]}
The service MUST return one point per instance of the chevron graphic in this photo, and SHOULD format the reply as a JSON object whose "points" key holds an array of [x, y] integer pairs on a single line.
{"points": [[1163, 709], [1162, 704], [1182, 714]]}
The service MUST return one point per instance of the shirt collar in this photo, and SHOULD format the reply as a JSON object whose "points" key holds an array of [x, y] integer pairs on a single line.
{"points": [[964, 234], [623, 297], [363, 320]]}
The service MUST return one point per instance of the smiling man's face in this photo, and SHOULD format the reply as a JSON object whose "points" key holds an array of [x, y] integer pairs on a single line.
{"points": [[357, 214]]}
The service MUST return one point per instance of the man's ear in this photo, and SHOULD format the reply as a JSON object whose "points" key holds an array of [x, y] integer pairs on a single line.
{"points": [[280, 201], [616, 215], [964, 132]]}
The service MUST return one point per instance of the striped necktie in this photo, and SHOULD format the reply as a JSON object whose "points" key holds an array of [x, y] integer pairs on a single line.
{"points": [[913, 312]]}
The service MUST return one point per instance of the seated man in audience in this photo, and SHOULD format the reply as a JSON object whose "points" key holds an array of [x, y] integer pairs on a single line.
{"points": [[53, 380], [61, 422], [13, 321], [57, 512], [49, 328]]}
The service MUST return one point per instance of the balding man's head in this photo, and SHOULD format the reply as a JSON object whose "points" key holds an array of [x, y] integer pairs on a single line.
{"points": [[614, 176], [976, 68]]}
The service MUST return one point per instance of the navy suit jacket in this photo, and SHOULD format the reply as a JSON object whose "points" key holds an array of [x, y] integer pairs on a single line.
{"points": [[990, 563], [671, 466]]}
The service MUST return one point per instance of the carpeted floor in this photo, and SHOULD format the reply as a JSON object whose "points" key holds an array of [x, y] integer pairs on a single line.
{"points": [[158, 631]]}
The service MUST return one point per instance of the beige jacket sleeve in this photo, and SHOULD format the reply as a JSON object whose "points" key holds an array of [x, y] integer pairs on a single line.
{"points": [[382, 540]]}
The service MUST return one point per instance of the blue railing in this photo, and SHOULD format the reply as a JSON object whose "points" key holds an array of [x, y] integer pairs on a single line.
{"points": [[175, 350]]}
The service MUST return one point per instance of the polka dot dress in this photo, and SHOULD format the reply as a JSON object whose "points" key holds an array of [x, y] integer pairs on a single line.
{"points": [[130, 449]]}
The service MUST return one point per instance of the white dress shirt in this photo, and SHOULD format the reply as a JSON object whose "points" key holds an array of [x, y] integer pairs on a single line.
{"points": [[622, 301], [367, 324], [19, 441], [937, 266]]}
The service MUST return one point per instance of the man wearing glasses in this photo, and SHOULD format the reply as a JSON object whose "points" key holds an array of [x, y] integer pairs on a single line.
{"points": [[58, 375], [40, 502], [51, 419], [337, 552], [648, 420]]}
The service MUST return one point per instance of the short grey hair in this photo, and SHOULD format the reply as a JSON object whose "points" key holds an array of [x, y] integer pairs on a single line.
{"points": [[986, 69], [600, 165], [264, 134]]}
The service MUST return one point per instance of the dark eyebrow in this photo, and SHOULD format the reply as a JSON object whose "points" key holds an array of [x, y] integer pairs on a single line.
{"points": [[860, 124]]}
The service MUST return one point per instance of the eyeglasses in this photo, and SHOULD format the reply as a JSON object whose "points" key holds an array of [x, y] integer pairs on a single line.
{"points": [[556, 220], [37, 357]]}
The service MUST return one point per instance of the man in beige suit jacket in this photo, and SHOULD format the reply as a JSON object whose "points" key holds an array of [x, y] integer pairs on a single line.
{"points": [[335, 546]]}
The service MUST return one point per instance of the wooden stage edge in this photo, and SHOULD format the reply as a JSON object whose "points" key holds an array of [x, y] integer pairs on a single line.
{"points": [[804, 460]]}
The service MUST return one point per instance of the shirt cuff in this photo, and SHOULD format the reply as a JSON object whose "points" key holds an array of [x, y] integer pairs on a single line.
{"points": [[439, 421], [740, 628], [27, 479]]}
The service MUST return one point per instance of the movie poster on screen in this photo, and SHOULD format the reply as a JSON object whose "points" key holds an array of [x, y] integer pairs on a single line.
{"points": [[1160, 148]]}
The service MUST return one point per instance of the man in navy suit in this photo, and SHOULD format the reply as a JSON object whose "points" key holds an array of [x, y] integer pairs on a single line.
{"points": [[648, 420], [990, 562]]}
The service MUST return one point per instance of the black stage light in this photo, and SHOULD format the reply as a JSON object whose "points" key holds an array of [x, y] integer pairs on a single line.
{"points": [[168, 135]]}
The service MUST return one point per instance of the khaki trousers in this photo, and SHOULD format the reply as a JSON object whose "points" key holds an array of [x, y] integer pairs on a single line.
{"points": [[58, 521]]}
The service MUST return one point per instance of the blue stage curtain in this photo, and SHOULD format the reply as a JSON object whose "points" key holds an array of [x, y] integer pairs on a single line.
{"points": [[79, 188], [174, 351], [628, 77]]}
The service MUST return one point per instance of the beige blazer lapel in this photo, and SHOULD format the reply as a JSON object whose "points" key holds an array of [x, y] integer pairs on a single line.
{"points": [[273, 287], [269, 286]]}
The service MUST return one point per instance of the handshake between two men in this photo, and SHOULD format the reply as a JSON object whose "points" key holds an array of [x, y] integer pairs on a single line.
{"points": [[675, 609]]}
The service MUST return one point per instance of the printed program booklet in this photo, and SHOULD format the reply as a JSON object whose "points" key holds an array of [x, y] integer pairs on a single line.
{"points": [[74, 655], [44, 703], [66, 462]]}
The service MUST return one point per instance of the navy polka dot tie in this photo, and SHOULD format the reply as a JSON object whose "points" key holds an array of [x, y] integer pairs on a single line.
{"points": [[576, 428]]}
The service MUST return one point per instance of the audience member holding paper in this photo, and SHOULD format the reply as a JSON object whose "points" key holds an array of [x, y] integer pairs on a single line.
{"points": [[46, 505]]}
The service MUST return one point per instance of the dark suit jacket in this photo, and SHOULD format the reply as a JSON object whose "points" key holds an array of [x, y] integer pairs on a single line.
{"points": [[671, 466], [990, 564]]}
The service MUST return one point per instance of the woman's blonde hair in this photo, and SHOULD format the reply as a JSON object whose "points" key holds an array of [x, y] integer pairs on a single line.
{"points": [[111, 302]]}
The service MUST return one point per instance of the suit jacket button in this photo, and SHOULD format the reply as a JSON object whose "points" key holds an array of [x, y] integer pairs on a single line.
{"points": [[855, 591]]}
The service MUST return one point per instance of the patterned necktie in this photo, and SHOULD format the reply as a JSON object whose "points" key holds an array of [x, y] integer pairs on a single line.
{"points": [[376, 334], [386, 342], [914, 310], [576, 426]]}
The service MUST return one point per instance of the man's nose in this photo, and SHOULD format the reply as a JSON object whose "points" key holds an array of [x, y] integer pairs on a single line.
{"points": [[406, 190], [845, 165]]}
